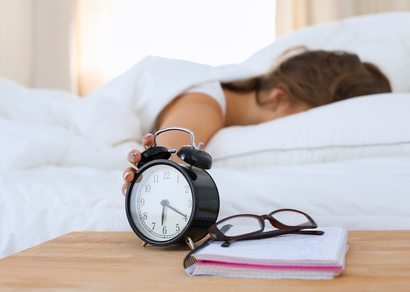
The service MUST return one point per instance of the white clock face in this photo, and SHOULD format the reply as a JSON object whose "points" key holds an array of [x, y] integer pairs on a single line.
{"points": [[162, 204]]}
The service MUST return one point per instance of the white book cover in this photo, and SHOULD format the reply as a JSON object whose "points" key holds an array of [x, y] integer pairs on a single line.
{"points": [[286, 256]]}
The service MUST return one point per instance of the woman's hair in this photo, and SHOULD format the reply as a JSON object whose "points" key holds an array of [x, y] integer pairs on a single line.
{"points": [[319, 77]]}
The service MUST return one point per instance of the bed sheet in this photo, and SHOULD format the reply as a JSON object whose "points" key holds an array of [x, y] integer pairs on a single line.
{"points": [[42, 203]]}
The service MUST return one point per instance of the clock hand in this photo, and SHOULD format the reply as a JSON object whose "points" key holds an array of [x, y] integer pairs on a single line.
{"points": [[163, 215], [163, 203], [179, 212]]}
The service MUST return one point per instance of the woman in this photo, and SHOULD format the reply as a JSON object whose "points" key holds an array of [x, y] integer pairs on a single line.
{"points": [[301, 82]]}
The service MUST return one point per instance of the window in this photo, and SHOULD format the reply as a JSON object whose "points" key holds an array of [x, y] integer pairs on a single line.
{"points": [[213, 32]]}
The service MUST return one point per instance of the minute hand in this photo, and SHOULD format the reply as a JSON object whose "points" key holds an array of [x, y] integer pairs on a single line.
{"points": [[175, 210]]}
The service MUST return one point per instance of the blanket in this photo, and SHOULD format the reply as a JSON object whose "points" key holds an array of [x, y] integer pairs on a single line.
{"points": [[99, 129]]}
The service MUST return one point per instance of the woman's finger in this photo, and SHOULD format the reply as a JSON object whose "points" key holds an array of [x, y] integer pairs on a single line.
{"points": [[124, 188], [128, 175], [134, 156], [148, 140]]}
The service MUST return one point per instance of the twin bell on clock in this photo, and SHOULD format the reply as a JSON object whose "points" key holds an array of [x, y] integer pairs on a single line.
{"points": [[168, 202]]}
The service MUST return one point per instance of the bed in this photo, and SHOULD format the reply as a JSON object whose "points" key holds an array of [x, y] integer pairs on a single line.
{"points": [[346, 164]]}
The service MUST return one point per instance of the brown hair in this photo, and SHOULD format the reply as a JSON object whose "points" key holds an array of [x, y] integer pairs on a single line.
{"points": [[319, 77]]}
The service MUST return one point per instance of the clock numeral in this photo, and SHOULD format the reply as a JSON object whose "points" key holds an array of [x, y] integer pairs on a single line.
{"points": [[177, 228], [153, 225], [142, 202], [185, 218], [164, 230], [187, 189], [144, 216], [167, 175], [189, 203], [156, 178], [147, 188]]}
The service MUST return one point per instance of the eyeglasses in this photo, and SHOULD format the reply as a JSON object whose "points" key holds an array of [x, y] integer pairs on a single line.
{"points": [[249, 226]]}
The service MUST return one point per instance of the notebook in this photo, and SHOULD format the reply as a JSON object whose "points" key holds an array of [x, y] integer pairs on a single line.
{"points": [[288, 256]]}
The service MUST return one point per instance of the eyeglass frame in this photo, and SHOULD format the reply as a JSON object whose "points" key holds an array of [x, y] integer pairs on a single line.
{"points": [[282, 229], [216, 235]]}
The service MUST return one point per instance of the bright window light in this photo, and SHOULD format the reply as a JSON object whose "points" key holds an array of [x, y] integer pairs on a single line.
{"points": [[212, 32]]}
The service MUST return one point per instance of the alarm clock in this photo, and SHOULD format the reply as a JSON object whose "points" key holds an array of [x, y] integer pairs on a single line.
{"points": [[169, 202]]}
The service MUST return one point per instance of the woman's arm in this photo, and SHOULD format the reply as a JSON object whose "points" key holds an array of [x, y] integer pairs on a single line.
{"points": [[195, 111]]}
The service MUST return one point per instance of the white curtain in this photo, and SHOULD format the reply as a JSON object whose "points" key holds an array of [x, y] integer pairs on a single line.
{"points": [[93, 18], [37, 40], [16, 44], [295, 14], [54, 43], [60, 43]]}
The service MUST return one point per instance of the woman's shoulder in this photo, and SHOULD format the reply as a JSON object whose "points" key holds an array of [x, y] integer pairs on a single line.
{"points": [[213, 89]]}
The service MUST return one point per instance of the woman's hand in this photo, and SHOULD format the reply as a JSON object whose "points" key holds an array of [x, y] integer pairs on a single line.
{"points": [[134, 157], [188, 111]]}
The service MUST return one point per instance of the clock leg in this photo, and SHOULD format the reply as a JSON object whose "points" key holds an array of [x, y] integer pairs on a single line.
{"points": [[144, 244], [189, 242]]}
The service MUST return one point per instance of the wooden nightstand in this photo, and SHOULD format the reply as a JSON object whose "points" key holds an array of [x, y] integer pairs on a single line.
{"points": [[377, 260]]}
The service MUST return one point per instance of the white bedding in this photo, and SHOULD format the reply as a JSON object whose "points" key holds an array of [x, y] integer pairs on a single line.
{"points": [[62, 158], [42, 203]]}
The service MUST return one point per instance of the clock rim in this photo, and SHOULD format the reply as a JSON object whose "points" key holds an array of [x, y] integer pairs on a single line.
{"points": [[128, 205]]}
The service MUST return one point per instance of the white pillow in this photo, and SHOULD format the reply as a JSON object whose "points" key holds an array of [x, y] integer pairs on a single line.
{"points": [[383, 39], [367, 126]]}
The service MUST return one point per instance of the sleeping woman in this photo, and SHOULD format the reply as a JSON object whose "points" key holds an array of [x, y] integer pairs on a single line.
{"points": [[299, 83]]}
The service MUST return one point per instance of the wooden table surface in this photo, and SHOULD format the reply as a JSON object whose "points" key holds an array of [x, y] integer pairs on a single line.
{"points": [[377, 260]]}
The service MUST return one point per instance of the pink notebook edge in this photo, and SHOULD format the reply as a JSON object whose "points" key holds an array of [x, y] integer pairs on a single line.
{"points": [[271, 267]]}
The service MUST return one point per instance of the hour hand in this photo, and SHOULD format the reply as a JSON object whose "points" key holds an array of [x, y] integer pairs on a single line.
{"points": [[163, 215], [163, 212]]}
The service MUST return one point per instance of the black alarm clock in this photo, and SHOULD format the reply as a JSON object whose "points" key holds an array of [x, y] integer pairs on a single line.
{"points": [[169, 202]]}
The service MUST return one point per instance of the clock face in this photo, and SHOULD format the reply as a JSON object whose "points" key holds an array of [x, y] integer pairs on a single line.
{"points": [[161, 202]]}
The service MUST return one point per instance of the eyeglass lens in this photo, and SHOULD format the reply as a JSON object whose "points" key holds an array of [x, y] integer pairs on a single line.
{"points": [[290, 218], [239, 226]]}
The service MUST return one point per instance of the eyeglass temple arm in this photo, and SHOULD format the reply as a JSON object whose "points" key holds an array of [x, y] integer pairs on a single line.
{"points": [[273, 233], [282, 232]]}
